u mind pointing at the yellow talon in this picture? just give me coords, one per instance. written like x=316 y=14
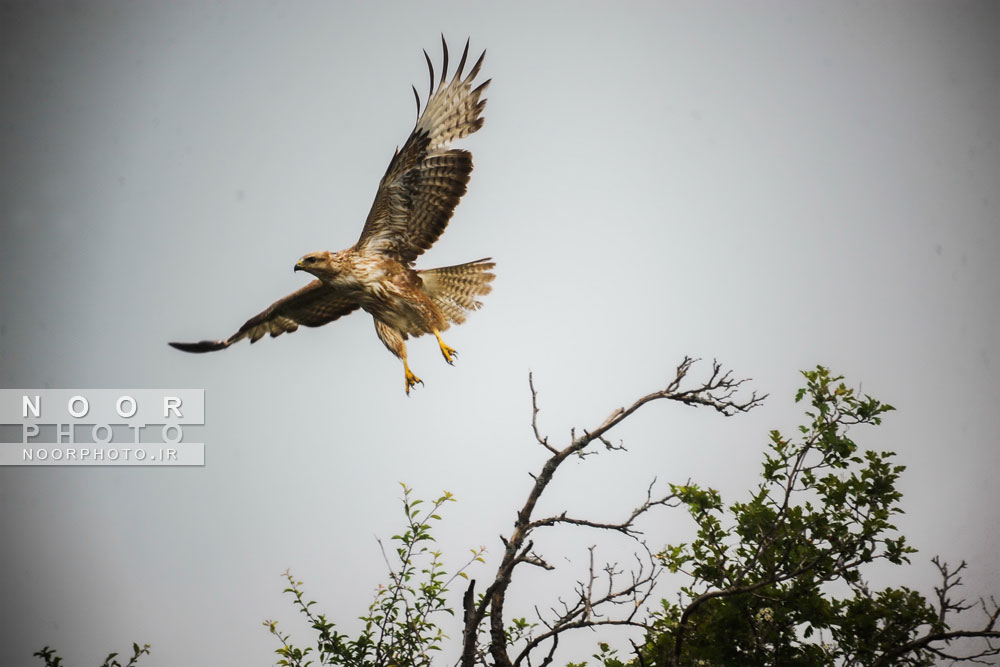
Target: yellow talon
x=411 y=379
x=448 y=352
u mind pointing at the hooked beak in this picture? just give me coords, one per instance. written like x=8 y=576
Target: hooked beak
x=298 y=266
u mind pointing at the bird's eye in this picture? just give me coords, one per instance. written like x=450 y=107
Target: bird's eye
x=309 y=260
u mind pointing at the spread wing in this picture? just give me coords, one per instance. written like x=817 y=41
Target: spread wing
x=425 y=179
x=312 y=306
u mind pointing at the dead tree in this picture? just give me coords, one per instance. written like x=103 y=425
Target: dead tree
x=606 y=589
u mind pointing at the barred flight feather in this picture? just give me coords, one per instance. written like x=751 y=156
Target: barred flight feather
x=425 y=179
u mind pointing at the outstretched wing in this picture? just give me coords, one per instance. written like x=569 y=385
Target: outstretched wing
x=314 y=305
x=425 y=180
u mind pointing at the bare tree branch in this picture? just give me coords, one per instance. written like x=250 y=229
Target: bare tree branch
x=543 y=441
x=950 y=580
x=584 y=612
x=719 y=392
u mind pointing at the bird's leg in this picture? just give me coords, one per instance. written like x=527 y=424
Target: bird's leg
x=393 y=339
x=448 y=352
x=411 y=379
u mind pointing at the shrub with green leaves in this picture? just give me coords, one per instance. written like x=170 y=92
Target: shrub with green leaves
x=400 y=627
x=51 y=659
x=765 y=573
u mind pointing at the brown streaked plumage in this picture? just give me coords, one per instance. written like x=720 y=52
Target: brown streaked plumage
x=415 y=200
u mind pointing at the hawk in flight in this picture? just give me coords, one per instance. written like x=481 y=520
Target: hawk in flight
x=415 y=200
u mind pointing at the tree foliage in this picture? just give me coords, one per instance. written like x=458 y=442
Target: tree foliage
x=763 y=573
x=774 y=579
x=52 y=659
x=400 y=627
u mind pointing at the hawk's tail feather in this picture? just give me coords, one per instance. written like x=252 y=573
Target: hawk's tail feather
x=454 y=289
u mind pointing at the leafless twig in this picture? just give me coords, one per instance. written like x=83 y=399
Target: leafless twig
x=720 y=392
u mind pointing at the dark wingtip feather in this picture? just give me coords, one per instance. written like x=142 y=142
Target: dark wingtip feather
x=201 y=346
x=481 y=87
x=416 y=95
x=444 y=67
x=430 y=66
x=461 y=63
x=475 y=68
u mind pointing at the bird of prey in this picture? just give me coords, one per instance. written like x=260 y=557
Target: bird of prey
x=414 y=202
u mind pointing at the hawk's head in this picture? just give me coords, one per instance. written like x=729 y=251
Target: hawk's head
x=317 y=263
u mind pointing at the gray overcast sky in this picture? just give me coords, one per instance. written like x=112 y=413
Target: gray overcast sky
x=774 y=184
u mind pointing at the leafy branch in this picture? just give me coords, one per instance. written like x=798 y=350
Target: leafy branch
x=400 y=626
x=51 y=659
